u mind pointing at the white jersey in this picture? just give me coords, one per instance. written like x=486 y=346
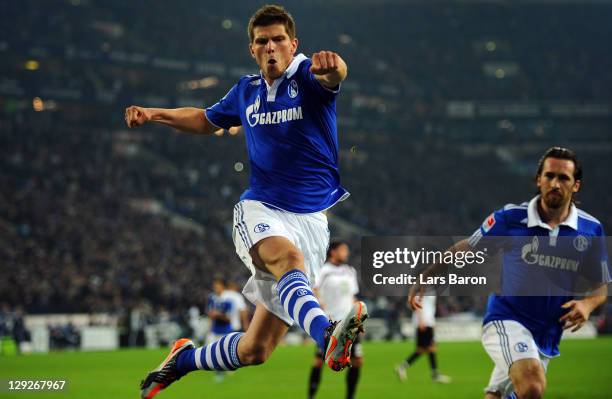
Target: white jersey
x=427 y=315
x=337 y=286
x=238 y=305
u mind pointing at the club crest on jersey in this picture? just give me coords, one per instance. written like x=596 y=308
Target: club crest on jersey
x=521 y=347
x=581 y=243
x=261 y=227
x=302 y=292
x=292 y=89
x=489 y=223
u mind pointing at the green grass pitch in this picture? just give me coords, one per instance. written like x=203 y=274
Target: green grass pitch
x=583 y=371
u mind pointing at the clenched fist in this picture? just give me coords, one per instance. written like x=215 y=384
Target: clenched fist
x=324 y=62
x=136 y=116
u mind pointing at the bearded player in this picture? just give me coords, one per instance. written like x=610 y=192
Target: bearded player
x=546 y=236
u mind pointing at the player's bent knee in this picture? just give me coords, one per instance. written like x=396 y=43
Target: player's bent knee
x=530 y=390
x=528 y=378
x=357 y=362
x=318 y=362
x=255 y=353
x=286 y=260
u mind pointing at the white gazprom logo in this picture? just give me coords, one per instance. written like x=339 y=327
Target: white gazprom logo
x=529 y=254
x=254 y=117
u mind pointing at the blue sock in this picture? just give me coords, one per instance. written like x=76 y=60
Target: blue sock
x=512 y=396
x=302 y=306
x=220 y=355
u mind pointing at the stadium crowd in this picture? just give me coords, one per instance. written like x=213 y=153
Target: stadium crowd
x=95 y=218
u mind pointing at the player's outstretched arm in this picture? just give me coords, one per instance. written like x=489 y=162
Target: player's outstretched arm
x=580 y=310
x=329 y=68
x=192 y=120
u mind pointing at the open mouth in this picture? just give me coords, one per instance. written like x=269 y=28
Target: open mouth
x=271 y=62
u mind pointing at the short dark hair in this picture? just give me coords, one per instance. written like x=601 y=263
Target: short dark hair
x=333 y=245
x=270 y=15
x=561 y=153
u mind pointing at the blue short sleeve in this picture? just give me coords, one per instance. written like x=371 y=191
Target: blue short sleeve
x=226 y=113
x=314 y=84
x=495 y=225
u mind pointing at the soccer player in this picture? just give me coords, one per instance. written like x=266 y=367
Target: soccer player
x=424 y=320
x=288 y=113
x=238 y=315
x=522 y=333
x=336 y=290
x=219 y=311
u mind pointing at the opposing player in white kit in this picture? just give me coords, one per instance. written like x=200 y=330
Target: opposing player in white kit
x=424 y=321
x=336 y=289
x=288 y=113
x=239 y=314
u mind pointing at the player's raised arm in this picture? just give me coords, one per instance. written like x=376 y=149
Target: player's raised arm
x=329 y=68
x=192 y=120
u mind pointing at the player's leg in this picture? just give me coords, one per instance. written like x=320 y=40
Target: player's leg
x=528 y=378
x=281 y=258
x=265 y=332
x=289 y=249
x=252 y=347
x=352 y=376
x=499 y=383
x=315 y=373
x=421 y=346
x=519 y=372
x=433 y=361
x=230 y=352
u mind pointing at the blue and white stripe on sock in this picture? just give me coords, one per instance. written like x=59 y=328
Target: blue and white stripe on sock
x=221 y=355
x=302 y=306
x=512 y=396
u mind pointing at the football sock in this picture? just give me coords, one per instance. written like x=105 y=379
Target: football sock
x=221 y=355
x=351 y=381
x=302 y=306
x=315 y=379
x=512 y=396
x=433 y=363
x=411 y=359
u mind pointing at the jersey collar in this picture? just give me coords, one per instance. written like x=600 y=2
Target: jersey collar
x=534 y=219
x=289 y=72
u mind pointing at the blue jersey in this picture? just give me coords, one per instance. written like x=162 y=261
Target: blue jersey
x=291 y=137
x=576 y=248
x=221 y=305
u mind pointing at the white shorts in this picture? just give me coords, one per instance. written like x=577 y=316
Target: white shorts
x=507 y=341
x=254 y=221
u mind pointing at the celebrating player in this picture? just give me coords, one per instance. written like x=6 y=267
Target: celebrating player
x=288 y=113
x=522 y=333
x=336 y=289
x=424 y=320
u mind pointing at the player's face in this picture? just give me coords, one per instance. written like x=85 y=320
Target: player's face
x=557 y=183
x=273 y=50
x=218 y=287
x=342 y=253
